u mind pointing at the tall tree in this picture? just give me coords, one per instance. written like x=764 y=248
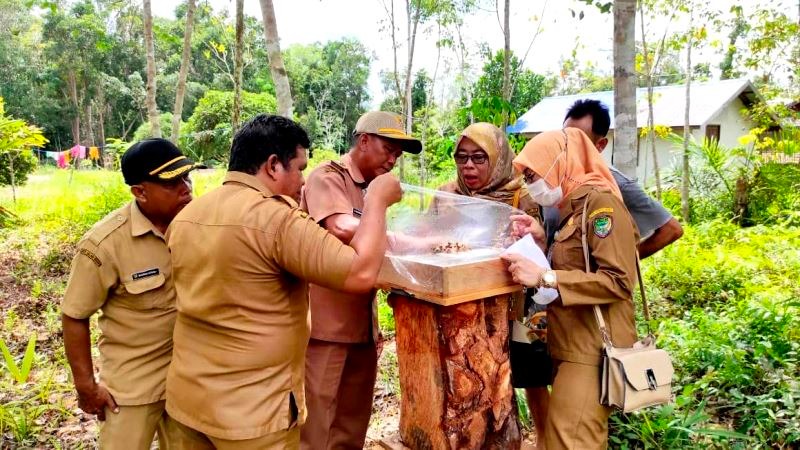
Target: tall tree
x=651 y=59
x=625 y=129
x=177 y=111
x=283 y=92
x=152 y=110
x=238 y=65
x=687 y=126
x=506 y=59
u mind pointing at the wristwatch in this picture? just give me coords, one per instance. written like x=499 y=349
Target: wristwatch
x=548 y=279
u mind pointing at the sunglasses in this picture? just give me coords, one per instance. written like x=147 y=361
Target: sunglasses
x=477 y=158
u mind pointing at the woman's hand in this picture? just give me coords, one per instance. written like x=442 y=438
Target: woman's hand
x=522 y=224
x=523 y=270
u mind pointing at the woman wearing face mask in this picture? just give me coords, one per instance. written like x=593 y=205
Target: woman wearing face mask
x=563 y=169
x=483 y=159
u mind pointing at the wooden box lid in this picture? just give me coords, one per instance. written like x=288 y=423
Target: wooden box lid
x=448 y=279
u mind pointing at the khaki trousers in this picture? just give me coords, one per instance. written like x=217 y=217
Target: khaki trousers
x=340 y=382
x=134 y=427
x=576 y=420
x=186 y=438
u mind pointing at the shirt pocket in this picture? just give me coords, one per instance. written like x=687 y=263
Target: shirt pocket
x=568 y=249
x=146 y=293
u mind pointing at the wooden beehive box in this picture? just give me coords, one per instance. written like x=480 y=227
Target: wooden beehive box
x=448 y=279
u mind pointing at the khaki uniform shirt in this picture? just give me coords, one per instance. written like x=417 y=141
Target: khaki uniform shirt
x=339 y=188
x=573 y=333
x=123 y=269
x=242 y=257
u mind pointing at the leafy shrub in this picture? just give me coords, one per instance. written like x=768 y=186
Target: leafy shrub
x=775 y=194
x=728 y=311
x=208 y=135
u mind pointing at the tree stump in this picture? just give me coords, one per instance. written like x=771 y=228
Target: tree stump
x=455 y=374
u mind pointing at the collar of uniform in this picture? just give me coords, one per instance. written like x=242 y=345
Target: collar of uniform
x=577 y=194
x=140 y=224
x=352 y=169
x=247 y=180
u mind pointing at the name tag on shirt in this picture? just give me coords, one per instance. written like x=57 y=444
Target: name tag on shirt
x=145 y=273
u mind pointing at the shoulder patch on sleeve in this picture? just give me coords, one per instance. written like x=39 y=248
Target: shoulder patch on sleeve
x=105 y=227
x=88 y=253
x=602 y=225
x=606 y=210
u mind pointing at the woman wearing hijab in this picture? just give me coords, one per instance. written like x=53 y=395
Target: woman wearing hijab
x=484 y=161
x=563 y=169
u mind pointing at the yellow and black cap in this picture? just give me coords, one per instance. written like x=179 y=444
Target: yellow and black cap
x=387 y=125
x=156 y=160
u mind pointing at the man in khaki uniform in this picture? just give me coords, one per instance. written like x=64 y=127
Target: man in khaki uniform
x=122 y=267
x=341 y=362
x=242 y=257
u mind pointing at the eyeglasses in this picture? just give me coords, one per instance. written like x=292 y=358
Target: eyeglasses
x=477 y=158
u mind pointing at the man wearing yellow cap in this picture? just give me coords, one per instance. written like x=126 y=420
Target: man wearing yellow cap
x=341 y=361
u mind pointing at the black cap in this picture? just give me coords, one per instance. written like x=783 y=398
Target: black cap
x=153 y=160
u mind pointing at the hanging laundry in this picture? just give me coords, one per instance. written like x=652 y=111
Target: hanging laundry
x=68 y=157
x=51 y=155
x=78 y=152
x=94 y=153
x=61 y=160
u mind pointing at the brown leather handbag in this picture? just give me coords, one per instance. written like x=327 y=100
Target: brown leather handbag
x=637 y=377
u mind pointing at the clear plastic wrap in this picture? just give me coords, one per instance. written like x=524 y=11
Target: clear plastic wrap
x=446 y=245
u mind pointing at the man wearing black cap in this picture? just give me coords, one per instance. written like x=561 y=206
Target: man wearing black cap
x=342 y=356
x=122 y=267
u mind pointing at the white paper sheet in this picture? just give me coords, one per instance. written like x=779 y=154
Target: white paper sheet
x=527 y=248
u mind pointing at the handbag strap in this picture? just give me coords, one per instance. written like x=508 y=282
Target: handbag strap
x=598 y=314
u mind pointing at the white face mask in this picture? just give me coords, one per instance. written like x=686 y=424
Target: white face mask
x=544 y=194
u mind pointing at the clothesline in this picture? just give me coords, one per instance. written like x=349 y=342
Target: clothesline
x=77 y=152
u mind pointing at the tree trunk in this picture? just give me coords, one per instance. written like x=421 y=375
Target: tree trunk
x=651 y=134
x=152 y=109
x=101 y=116
x=72 y=85
x=180 y=91
x=276 y=67
x=238 y=66
x=413 y=21
x=625 y=129
x=506 y=61
x=455 y=374
x=687 y=130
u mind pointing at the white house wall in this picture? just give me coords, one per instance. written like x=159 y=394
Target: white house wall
x=732 y=126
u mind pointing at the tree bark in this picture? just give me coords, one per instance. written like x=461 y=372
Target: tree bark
x=180 y=91
x=276 y=67
x=625 y=129
x=413 y=21
x=238 y=65
x=455 y=375
x=72 y=86
x=506 y=60
x=687 y=129
x=651 y=134
x=152 y=109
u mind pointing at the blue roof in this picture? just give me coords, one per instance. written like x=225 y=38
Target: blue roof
x=707 y=99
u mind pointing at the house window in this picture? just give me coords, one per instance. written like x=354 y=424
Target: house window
x=712 y=132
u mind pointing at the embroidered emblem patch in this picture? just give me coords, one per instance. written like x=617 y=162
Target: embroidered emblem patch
x=91 y=256
x=601 y=211
x=602 y=226
x=145 y=273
